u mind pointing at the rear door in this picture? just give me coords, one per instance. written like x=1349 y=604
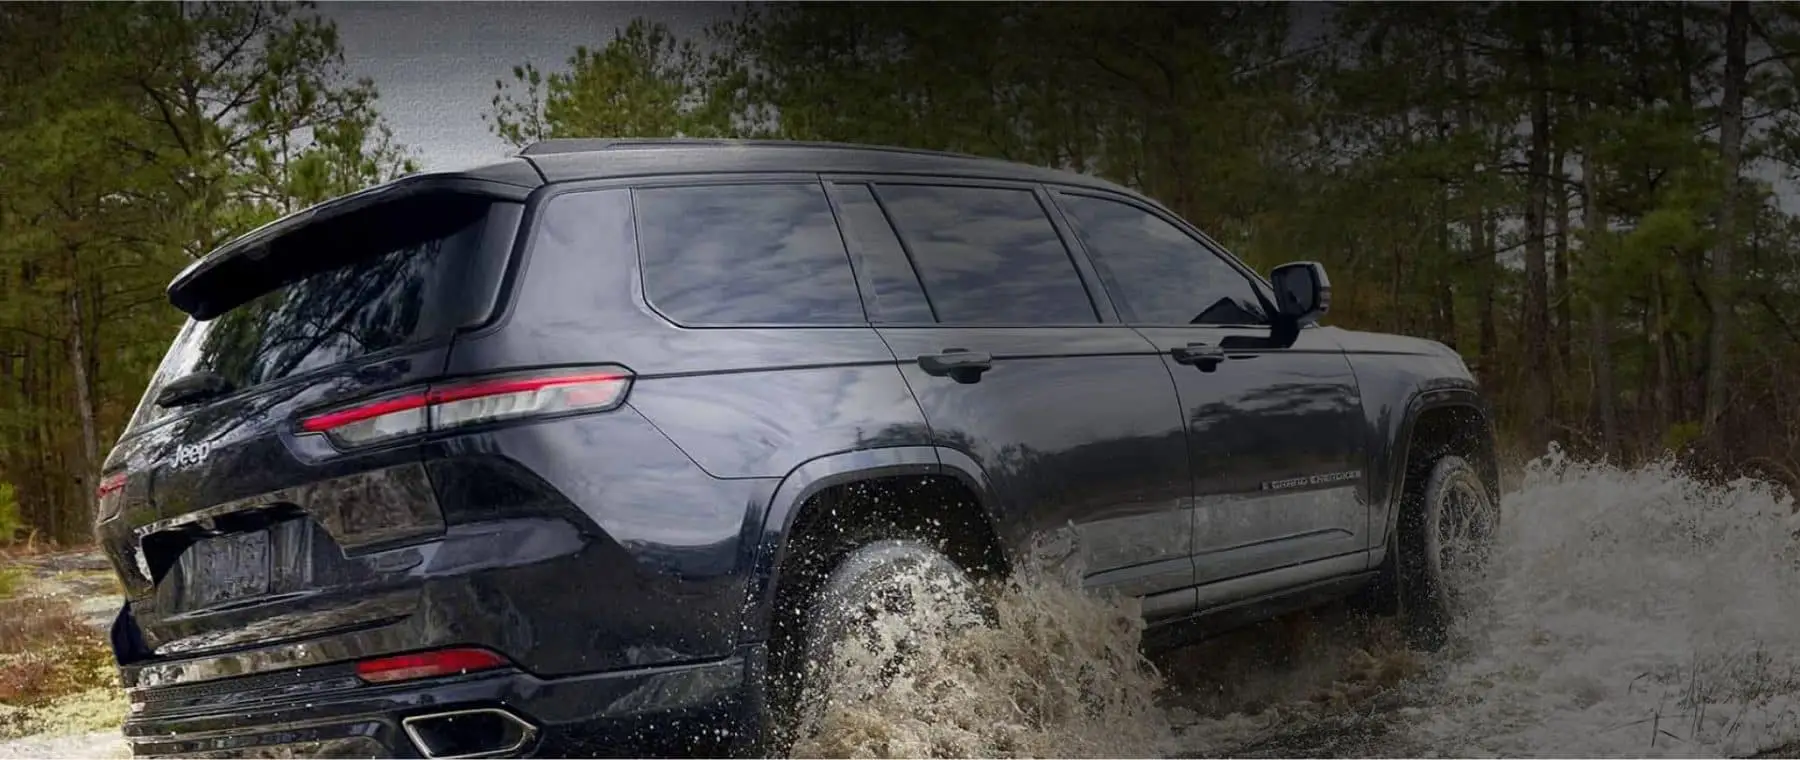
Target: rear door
x=1072 y=416
x=1274 y=434
x=255 y=534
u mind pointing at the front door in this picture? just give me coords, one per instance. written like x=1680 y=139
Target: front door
x=1274 y=434
x=1073 y=418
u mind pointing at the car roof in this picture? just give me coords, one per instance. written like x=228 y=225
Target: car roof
x=578 y=159
x=575 y=159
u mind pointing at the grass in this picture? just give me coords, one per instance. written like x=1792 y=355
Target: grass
x=56 y=672
x=11 y=578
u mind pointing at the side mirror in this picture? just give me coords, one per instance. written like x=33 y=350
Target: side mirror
x=1302 y=292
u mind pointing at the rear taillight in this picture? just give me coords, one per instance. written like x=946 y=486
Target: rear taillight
x=110 y=495
x=473 y=403
x=444 y=662
x=372 y=422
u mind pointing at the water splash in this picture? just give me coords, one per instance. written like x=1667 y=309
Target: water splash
x=1633 y=612
x=1625 y=613
x=1057 y=673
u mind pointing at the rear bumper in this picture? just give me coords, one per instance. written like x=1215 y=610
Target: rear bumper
x=708 y=709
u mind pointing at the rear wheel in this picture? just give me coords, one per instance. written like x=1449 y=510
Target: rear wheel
x=867 y=620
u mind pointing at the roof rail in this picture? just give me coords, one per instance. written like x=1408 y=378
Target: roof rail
x=592 y=144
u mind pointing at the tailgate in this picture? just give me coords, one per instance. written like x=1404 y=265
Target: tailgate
x=240 y=529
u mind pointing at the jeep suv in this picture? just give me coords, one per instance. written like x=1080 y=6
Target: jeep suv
x=556 y=456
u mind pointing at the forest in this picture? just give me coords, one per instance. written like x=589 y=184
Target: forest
x=1591 y=202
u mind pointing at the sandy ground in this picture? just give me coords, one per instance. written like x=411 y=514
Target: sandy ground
x=85 y=579
x=98 y=744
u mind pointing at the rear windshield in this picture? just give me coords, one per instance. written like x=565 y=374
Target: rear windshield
x=419 y=290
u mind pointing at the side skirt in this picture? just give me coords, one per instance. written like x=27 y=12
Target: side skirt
x=1225 y=618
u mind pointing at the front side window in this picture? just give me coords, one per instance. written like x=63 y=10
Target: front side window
x=1157 y=273
x=988 y=256
x=745 y=255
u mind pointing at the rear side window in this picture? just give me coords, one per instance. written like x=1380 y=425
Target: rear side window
x=893 y=289
x=423 y=288
x=988 y=256
x=745 y=255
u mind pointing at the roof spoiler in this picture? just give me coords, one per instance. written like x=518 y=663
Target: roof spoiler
x=251 y=265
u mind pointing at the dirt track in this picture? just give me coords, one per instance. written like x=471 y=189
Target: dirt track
x=85 y=578
x=84 y=581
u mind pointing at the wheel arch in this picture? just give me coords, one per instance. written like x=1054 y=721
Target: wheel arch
x=1437 y=420
x=805 y=484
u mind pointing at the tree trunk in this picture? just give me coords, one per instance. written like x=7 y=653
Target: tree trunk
x=1667 y=398
x=1593 y=224
x=1443 y=307
x=1443 y=301
x=1731 y=117
x=1481 y=249
x=1490 y=332
x=1565 y=329
x=89 y=462
x=1541 y=398
x=49 y=447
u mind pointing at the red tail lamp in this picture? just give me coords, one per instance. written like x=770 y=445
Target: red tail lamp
x=443 y=662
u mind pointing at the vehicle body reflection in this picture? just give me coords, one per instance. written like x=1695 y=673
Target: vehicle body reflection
x=572 y=413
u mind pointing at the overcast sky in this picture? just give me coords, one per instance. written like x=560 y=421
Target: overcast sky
x=435 y=63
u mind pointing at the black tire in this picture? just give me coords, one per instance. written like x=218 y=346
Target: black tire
x=1444 y=545
x=884 y=576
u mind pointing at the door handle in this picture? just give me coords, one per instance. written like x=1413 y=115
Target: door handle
x=1201 y=355
x=961 y=365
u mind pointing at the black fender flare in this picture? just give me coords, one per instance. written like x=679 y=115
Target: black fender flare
x=1421 y=401
x=823 y=472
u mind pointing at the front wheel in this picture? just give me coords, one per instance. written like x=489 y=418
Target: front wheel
x=1445 y=546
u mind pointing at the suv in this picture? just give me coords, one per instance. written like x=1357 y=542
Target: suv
x=555 y=456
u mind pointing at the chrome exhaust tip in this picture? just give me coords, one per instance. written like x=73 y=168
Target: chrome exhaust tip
x=468 y=733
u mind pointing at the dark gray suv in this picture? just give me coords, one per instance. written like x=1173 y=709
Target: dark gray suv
x=555 y=456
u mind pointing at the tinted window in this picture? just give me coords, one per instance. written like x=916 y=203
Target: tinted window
x=893 y=288
x=1157 y=273
x=988 y=256
x=745 y=254
x=415 y=292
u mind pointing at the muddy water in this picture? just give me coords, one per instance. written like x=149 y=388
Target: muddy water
x=1058 y=673
x=1627 y=613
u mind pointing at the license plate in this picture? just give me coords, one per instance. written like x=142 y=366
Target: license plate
x=227 y=569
